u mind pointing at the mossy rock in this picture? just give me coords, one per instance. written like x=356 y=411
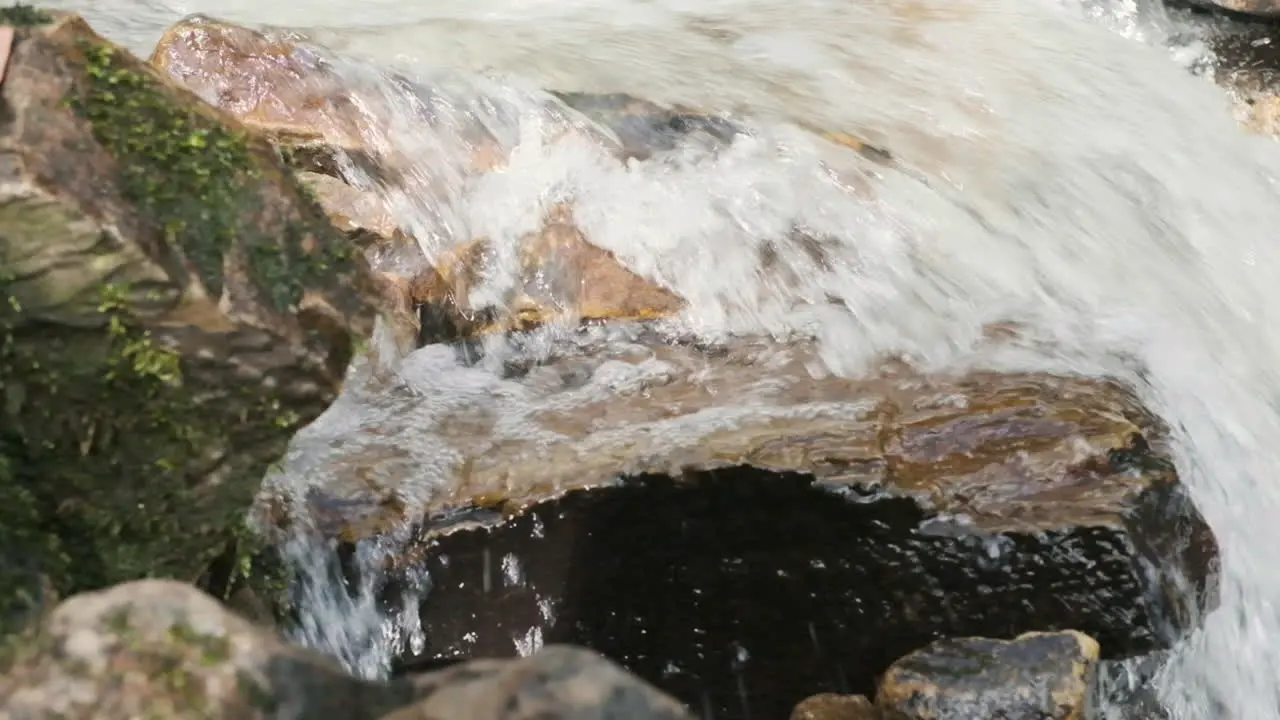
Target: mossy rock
x=161 y=649
x=173 y=306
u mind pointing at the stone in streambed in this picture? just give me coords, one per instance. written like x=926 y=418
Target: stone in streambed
x=830 y=706
x=556 y=682
x=1036 y=676
x=173 y=306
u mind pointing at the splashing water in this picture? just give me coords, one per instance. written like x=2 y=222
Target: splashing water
x=1050 y=173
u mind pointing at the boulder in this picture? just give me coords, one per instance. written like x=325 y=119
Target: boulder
x=158 y=648
x=1036 y=676
x=830 y=706
x=173 y=307
x=743 y=531
x=558 y=276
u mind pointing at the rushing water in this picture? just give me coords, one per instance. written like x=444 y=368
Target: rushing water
x=1057 y=173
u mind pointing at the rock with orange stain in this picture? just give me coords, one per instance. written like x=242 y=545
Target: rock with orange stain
x=558 y=275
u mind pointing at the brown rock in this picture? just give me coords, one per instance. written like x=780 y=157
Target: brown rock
x=279 y=87
x=830 y=706
x=288 y=91
x=561 y=276
x=173 y=307
x=352 y=209
x=1036 y=676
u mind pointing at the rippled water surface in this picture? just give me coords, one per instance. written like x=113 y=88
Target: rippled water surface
x=1058 y=167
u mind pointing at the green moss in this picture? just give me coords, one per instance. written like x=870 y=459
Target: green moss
x=211 y=650
x=20 y=15
x=97 y=467
x=199 y=180
x=117 y=459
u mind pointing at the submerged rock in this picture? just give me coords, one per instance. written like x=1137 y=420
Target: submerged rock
x=1036 y=676
x=173 y=307
x=744 y=532
x=163 y=649
x=830 y=706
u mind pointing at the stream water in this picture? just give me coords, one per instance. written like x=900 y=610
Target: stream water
x=1062 y=169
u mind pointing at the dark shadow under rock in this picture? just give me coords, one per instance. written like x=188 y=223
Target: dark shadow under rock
x=742 y=591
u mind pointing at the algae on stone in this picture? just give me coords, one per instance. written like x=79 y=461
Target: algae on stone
x=173 y=308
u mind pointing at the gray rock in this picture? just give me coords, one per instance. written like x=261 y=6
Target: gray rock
x=162 y=649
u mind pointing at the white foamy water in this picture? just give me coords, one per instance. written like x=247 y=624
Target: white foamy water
x=1055 y=172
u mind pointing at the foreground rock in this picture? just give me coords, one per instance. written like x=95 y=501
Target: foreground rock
x=163 y=649
x=173 y=307
x=1037 y=676
x=775 y=534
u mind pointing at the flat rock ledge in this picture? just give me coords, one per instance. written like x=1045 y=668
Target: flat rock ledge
x=744 y=534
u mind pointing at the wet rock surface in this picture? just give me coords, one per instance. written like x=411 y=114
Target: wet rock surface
x=561 y=277
x=163 y=649
x=723 y=519
x=830 y=706
x=1260 y=8
x=281 y=88
x=1036 y=676
x=776 y=533
x=173 y=307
